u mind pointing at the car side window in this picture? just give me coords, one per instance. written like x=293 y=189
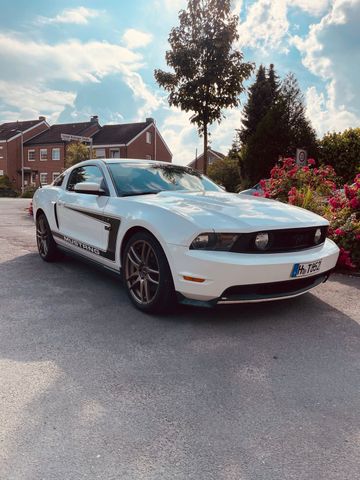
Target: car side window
x=59 y=180
x=87 y=173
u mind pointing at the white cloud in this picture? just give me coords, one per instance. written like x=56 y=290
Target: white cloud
x=136 y=38
x=325 y=115
x=179 y=135
x=69 y=61
x=29 y=101
x=265 y=25
x=330 y=51
x=78 y=16
x=313 y=7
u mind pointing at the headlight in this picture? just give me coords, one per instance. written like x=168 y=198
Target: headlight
x=214 y=241
x=317 y=236
x=262 y=241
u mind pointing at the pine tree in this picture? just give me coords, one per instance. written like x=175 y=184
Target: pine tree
x=279 y=131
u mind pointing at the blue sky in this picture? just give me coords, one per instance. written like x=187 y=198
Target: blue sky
x=68 y=60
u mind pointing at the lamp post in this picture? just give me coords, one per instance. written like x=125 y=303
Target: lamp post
x=22 y=160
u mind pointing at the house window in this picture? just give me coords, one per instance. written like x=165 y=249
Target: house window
x=31 y=155
x=148 y=157
x=114 y=153
x=43 y=178
x=33 y=178
x=148 y=137
x=43 y=154
x=55 y=154
x=55 y=175
x=100 y=152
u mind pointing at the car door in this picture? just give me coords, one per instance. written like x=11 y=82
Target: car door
x=81 y=221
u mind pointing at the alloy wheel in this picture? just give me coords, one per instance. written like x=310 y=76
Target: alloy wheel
x=42 y=236
x=142 y=272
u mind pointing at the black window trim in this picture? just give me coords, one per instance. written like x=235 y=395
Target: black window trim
x=107 y=191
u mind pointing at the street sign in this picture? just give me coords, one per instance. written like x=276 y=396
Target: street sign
x=301 y=157
x=66 y=137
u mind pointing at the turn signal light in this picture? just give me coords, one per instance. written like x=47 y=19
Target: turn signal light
x=193 y=279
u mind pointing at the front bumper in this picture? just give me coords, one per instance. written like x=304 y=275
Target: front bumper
x=229 y=276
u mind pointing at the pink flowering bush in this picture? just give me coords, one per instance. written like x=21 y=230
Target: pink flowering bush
x=315 y=189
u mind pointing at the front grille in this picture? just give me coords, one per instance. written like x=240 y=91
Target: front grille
x=286 y=240
x=272 y=290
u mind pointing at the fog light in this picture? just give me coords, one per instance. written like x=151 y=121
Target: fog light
x=262 y=241
x=317 y=235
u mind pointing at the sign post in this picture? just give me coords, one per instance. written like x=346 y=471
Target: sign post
x=301 y=157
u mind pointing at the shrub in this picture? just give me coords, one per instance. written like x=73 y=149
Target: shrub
x=315 y=189
x=225 y=172
x=29 y=192
x=342 y=151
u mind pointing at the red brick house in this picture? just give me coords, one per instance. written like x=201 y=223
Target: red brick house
x=131 y=140
x=198 y=162
x=44 y=148
x=12 y=136
x=44 y=155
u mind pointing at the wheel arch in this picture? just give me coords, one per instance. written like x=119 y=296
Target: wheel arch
x=130 y=232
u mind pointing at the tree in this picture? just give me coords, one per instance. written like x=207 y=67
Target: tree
x=262 y=96
x=342 y=151
x=226 y=172
x=76 y=152
x=208 y=72
x=297 y=129
x=275 y=125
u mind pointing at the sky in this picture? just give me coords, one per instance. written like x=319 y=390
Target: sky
x=68 y=60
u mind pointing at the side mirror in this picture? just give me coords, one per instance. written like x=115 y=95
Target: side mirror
x=90 y=188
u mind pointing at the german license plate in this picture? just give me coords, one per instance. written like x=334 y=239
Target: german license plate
x=304 y=269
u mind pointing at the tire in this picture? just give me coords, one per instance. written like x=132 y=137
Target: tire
x=146 y=274
x=47 y=248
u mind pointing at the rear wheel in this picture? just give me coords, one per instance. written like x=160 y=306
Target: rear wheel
x=147 y=276
x=47 y=248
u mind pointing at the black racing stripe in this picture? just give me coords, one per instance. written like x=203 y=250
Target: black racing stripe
x=113 y=233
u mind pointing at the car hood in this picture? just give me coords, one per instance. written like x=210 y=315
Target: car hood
x=221 y=211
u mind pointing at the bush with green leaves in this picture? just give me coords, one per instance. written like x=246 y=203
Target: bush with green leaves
x=225 y=172
x=342 y=152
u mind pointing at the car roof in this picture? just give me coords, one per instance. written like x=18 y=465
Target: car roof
x=128 y=161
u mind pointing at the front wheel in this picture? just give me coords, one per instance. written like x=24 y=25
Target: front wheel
x=47 y=248
x=147 y=276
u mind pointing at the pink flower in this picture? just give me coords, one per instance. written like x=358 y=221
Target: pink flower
x=354 y=203
x=345 y=258
x=311 y=161
x=339 y=232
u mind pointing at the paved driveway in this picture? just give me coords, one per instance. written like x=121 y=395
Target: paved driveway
x=92 y=389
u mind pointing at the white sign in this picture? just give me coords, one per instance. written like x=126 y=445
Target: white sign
x=301 y=157
x=1 y=173
x=65 y=137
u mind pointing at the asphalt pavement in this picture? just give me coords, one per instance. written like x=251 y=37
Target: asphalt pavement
x=90 y=388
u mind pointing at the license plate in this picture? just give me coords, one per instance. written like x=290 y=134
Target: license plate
x=304 y=269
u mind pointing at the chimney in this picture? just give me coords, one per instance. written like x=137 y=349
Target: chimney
x=150 y=120
x=43 y=119
x=94 y=119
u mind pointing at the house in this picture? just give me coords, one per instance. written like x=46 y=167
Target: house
x=198 y=162
x=41 y=148
x=12 y=137
x=44 y=155
x=131 y=140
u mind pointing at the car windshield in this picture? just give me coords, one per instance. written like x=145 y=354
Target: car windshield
x=147 y=178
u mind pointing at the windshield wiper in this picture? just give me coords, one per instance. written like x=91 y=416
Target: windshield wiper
x=133 y=194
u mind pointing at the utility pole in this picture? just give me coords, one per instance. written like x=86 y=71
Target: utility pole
x=22 y=160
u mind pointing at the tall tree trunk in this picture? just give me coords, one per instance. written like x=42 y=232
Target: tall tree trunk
x=205 y=148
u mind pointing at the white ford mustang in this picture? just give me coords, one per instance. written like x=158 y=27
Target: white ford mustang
x=175 y=235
